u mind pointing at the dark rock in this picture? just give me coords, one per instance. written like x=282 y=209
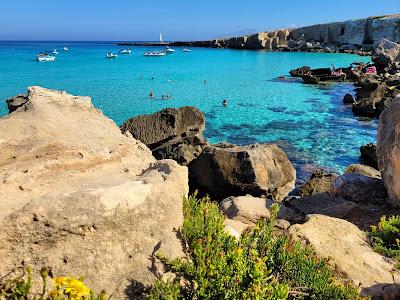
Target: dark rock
x=320 y=182
x=16 y=102
x=181 y=149
x=161 y=127
x=349 y=99
x=360 y=189
x=300 y=71
x=171 y=133
x=368 y=155
x=323 y=204
x=234 y=171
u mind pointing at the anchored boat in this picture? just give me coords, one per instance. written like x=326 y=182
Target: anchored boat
x=111 y=55
x=125 y=51
x=154 y=53
x=186 y=50
x=45 y=57
x=55 y=52
x=169 y=50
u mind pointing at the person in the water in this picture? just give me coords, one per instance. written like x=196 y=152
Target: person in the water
x=225 y=102
x=152 y=95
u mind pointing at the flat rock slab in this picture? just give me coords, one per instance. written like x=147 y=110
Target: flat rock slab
x=346 y=246
x=323 y=204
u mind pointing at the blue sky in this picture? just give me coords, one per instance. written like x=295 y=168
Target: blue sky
x=177 y=19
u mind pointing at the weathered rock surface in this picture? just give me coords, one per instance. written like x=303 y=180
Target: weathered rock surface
x=360 y=189
x=347 y=249
x=363 y=170
x=234 y=171
x=368 y=155
x=173 y=133
x=248 y=209
x=323 y=204
x=388 y=151
x=78 y=196
x=16 y=102
x=320 y=182
x=387 y=53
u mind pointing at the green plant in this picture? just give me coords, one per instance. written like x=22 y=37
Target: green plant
x=18 y=287
x=385 y=237
x=260 y=265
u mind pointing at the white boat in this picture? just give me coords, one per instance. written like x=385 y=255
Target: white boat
x=154 y=53
x=45 y=57
x=161 y=39
x=65 y=49
x=186 y=50
x=125 y=51
x=111 y=55
x=55 y=52
x=168 y=50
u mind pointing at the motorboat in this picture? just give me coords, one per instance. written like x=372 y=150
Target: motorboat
x=169 y=50
x=55 y=52
x=125 y=51
x=65 y=49
x=154 y=53
x=186 y=50
x=111 y=55
x=45 y=57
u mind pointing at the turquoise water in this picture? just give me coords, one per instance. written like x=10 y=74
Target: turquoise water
x=311 y=123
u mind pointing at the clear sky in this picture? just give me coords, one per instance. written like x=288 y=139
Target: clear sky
x=176 y=19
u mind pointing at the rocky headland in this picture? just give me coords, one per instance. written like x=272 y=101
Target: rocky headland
x=354 y=36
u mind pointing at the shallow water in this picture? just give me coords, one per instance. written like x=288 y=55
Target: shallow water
x=310 y=122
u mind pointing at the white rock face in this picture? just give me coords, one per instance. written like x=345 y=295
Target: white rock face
x=346 y=247
x=78 y=196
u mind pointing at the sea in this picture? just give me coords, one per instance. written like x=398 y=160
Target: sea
x=310 y=122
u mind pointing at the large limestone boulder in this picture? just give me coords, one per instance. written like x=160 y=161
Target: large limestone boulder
x=347 y=248
x=173 y=133
x=388 y=150
x=224 y=171
x=80 y=197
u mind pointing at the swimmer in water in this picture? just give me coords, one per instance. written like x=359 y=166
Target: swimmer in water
x=152 y=95
x=225 y=102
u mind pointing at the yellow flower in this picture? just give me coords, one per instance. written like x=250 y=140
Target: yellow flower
x=74 y=288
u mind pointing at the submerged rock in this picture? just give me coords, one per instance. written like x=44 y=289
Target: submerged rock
x=347 y=248
x=388 y=151
x=78 y=196
x=233 y=171
x=348 y=99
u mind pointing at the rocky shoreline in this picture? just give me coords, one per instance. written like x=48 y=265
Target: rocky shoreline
x=74 y=184
x=354 y=36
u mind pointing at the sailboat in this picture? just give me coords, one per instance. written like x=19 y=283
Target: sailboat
x=161 y=39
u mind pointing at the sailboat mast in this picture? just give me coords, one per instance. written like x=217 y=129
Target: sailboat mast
x=161 y=40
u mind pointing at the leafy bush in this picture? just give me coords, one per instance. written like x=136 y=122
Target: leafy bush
x=385 y=237
x=65 y=288
x=260 y=265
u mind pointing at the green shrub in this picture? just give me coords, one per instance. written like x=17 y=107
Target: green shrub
x=260 y=265
x=385 y=237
